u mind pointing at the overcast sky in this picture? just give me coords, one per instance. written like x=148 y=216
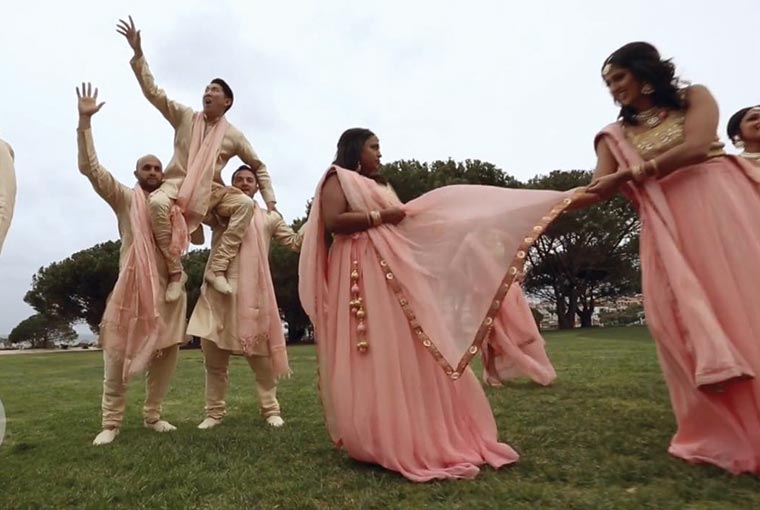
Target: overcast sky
x=513 y=83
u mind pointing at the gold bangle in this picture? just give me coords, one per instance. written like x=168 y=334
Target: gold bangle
x=369 y=220
x=642 y=174
x=637 y=174
x=655 y=168
x=377 y=218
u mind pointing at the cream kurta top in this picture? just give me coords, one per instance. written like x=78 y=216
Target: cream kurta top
x=215 y=315
x=119 y=197
x=7 y=190
x=181 y=118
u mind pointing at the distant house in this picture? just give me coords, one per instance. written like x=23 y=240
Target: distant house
x=549 y=319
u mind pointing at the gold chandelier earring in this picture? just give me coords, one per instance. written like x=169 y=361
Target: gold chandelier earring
x=647 y=89
x=738 y=142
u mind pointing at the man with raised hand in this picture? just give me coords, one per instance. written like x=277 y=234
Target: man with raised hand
x=139 y=330
x=203 y=143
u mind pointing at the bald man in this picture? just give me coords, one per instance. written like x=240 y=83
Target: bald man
x=163 y=359
x=7 y=190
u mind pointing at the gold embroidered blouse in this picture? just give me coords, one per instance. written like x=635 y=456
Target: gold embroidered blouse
x=663 y=137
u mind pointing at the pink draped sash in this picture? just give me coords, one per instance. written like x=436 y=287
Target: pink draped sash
x=258 y=316
x=131 y=325
x=450 y=262
x=713 y=360
x=194 y=194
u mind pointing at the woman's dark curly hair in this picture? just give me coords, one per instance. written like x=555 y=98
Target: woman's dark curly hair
x=645 y=63
x=350 y=146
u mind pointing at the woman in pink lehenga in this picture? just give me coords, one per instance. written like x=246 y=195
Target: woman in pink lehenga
x=401 y=301
x=700 y=236
x=515 y=348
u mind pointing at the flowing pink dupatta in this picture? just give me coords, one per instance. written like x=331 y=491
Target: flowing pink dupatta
x=258 y=316
x=194 y=194
x=713 y=359
x=450 y=262
x=131 y=321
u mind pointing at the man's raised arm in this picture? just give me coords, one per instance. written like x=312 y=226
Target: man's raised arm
x=171 y=110
x=105 y=184
x=250 y=158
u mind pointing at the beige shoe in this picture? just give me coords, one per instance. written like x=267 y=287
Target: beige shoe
x=175 y=289
x=105 y=436
x=219 y=282
x=209 y=423
x=275 y=421
x=493 y=382
x=160 y=426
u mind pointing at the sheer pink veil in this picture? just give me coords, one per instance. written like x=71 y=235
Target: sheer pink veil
x=132 y=326
x=450 y=262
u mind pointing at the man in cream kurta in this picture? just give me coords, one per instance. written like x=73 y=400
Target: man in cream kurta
x=215 y=320
x=225 y=201
x=119 y=197
x=7 y=190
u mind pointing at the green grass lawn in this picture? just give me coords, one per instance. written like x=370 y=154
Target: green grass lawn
x=595 y=440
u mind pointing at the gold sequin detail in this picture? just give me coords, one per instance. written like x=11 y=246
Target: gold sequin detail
x=487 y=325
x=668 y=134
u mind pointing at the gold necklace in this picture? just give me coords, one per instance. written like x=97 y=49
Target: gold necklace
x=750 y=155
x=651 y=118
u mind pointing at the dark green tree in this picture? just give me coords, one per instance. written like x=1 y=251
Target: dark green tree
x=194 y=264
x=283 y=264
x=410 y=178
x=584 y=255
x=42 y=332
x=75 y=289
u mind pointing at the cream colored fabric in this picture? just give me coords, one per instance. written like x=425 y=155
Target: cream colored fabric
x=234 y=144
x=157 y=381
x=227 y=202
x=7 y=189
x=119 y=197
x=217 y=363
x=215 y=315
x=181 y=119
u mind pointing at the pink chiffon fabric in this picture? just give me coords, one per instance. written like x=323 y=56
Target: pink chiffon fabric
x=410 y=403
x=515 y=348
x=258 y=315
x=700 y=241
x=192 y=202
x=131 y=317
